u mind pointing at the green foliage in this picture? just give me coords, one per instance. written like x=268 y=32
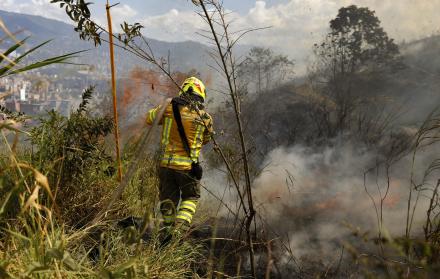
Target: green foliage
x=77 y=140
x=356 y=40
x=350 y=65
x=130 y=31
x=79 y=12
x=120 y=259
x=17 y=116
x=11 y=66
x=86 y=96
x=264 y=69
x=72 y=151
x=391 y=261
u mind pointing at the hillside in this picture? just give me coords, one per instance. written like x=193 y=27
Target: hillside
x=183 y=55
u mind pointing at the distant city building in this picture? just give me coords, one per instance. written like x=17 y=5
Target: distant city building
x=32 y=98
x=23 y=93
x=12 y=104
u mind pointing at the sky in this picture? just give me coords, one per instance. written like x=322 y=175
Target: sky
x=295 y=25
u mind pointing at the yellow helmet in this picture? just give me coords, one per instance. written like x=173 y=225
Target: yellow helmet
x=196 y=85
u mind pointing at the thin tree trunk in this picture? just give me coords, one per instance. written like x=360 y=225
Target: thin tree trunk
x=251 y=214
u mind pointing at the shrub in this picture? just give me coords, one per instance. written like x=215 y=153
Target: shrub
x=71 y=151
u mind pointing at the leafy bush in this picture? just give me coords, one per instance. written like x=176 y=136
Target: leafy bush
x=72 y=152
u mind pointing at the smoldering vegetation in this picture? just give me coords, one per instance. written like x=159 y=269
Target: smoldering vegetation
x=318 y=200
x=322 y=207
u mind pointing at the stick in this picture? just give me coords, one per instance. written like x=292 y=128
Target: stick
x=115 y=112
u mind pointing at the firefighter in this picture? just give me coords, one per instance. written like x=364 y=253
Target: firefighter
x=186 y=127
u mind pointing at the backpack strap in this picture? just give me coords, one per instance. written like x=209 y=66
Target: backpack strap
x=178 y=118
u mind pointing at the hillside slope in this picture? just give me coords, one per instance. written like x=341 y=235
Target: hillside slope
x=183 y=55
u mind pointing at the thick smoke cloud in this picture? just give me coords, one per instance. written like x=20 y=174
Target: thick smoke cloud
x=309 y=195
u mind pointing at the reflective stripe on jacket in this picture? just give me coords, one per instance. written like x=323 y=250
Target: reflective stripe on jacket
x=197 y=131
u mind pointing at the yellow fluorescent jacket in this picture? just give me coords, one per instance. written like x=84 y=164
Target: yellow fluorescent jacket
x=197 y=131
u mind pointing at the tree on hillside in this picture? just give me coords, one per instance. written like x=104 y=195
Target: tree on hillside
x=355 y=50
x=262 y=69
x=357 y=41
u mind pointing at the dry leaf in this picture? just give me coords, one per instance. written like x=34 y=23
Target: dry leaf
x=32 y=200
x=43 y=181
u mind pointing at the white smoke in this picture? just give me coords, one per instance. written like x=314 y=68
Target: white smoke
x=307 y=196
